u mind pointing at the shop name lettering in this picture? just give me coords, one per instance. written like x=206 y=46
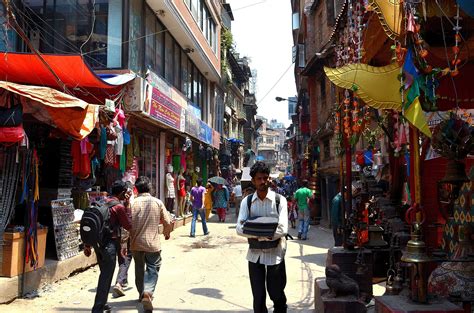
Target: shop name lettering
x=163 y=109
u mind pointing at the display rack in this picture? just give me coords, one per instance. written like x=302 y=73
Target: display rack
x=66 y=233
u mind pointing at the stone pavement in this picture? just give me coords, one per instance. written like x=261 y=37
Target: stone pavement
x=202 y=274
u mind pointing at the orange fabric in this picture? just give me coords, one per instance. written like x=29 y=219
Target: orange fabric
x=71 y=115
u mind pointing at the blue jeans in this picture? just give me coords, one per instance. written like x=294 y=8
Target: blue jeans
x=303 y=225
x=145 y=281
x=202 y=214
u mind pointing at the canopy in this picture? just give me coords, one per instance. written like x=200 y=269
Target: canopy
x=72 y=70
x=71 y=115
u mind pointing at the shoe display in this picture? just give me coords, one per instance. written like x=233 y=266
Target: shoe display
x=118 y=291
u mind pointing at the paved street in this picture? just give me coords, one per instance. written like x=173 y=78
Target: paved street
x=202 y=274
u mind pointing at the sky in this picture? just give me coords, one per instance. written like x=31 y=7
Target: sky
x=262 y=31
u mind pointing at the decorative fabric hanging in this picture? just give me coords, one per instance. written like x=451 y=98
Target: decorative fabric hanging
x=377 y=86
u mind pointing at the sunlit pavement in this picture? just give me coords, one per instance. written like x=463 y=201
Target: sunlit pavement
x=202 y=274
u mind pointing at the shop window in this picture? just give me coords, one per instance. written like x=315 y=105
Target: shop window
x=148 y=161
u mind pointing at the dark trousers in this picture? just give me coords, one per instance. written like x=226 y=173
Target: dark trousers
x=106 y=258
x=124 y=264
x=274 y=277
x=169 y=204
x=337 y=237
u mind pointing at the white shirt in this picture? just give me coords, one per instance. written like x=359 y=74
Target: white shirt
x=238 y=191
x=267 y=207
x=170 y=193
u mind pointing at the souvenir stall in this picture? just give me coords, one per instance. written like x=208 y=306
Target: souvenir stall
x=409 y=198
x=36 y=172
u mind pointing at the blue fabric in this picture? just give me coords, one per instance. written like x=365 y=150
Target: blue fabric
x=303 y=225
x=220 y=198
x=202 y=214
x=103 y=142
x=467 y=6
x=145 y=280
x=126 y=137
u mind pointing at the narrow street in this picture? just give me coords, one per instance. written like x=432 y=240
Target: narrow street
x=202 y=274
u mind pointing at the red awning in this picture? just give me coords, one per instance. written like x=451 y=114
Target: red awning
x=27 y=68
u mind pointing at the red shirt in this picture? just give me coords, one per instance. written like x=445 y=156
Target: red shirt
x=120 y=216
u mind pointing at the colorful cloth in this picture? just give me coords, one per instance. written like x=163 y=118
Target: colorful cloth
x=220 y=197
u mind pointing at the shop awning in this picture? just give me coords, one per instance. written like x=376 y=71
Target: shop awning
x=72 y=70
x=71 y=115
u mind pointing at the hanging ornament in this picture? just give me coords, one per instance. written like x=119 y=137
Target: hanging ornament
x=457 y=39
x=347 y=115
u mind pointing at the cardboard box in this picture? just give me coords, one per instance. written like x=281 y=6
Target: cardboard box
x=14 y=253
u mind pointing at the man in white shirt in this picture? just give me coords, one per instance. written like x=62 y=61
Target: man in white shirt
x=266 y=266
x=237 y=197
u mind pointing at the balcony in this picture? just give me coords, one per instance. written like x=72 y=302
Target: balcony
x=242 y=117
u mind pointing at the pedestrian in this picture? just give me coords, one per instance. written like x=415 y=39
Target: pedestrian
x=110 y=245
x=147 y=212
x=124 y=260
x=266 y=266
x=208 y=200
x=336 y=219
x=292 y=214
x=238 y=197
x=302 y=197
x=197 y=198
x=220 y=201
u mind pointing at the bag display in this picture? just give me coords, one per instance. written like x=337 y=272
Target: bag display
x=95 y=223
x=12 y=134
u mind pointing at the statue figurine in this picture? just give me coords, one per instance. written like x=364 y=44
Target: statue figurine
x=340 y=284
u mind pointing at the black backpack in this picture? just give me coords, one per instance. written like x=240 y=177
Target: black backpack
x=95 y=223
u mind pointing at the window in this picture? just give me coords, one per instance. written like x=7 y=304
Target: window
x=150 y=21
x=168 y=57
x=296 y=21
x=64 y=27
x=195 y=96
x=189 y=92
x=270 y=141
x=184 y=73
x=204 y=21
x=177 y=64
x=159 y=48
x=301 y=56
x=327 y=149
x=135 y=50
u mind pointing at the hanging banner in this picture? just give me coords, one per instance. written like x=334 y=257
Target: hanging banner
x=165 y=110
x=216 y=139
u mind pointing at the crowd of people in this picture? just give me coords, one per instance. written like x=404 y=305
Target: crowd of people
x=135 y=218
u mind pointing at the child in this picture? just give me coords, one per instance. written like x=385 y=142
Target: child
x=292 y=213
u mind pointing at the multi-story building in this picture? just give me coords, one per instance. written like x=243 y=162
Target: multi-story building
x=270 y=144
x=172 y=46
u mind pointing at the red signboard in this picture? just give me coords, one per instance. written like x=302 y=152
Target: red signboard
x=165 y=110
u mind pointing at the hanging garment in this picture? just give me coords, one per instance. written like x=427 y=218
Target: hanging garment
x=103 y=142
x=119 y=140
x=81 y=155
x=109 y=155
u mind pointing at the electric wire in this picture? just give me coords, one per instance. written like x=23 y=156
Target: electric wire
x=275 y=84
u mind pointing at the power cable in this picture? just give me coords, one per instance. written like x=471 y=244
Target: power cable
x=275 y=84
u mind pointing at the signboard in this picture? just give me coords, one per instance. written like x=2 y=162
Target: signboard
x=216 y=139
x=205 y=133
x=164 y=109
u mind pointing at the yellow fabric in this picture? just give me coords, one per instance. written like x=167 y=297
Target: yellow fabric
x=390 y=16
x=208 y=198
x=414 y=114
x=377 y=86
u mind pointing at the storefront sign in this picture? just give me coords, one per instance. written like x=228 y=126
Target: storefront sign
x=216 y=139
x=157 y=82
x=165 y=110
x=192 y=126
x=196 y=127
x=205 y=133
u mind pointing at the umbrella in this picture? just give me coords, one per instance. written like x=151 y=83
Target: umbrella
x=289 y=177
x=217 y=180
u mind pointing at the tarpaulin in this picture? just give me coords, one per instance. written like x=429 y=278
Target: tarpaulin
x=71 y=115
x=72 y=70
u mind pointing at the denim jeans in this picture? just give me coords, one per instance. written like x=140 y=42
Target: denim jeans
x=124 y=264
x=303 y=225
x=202 y=214
x=145 y=280
x=106 y=258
